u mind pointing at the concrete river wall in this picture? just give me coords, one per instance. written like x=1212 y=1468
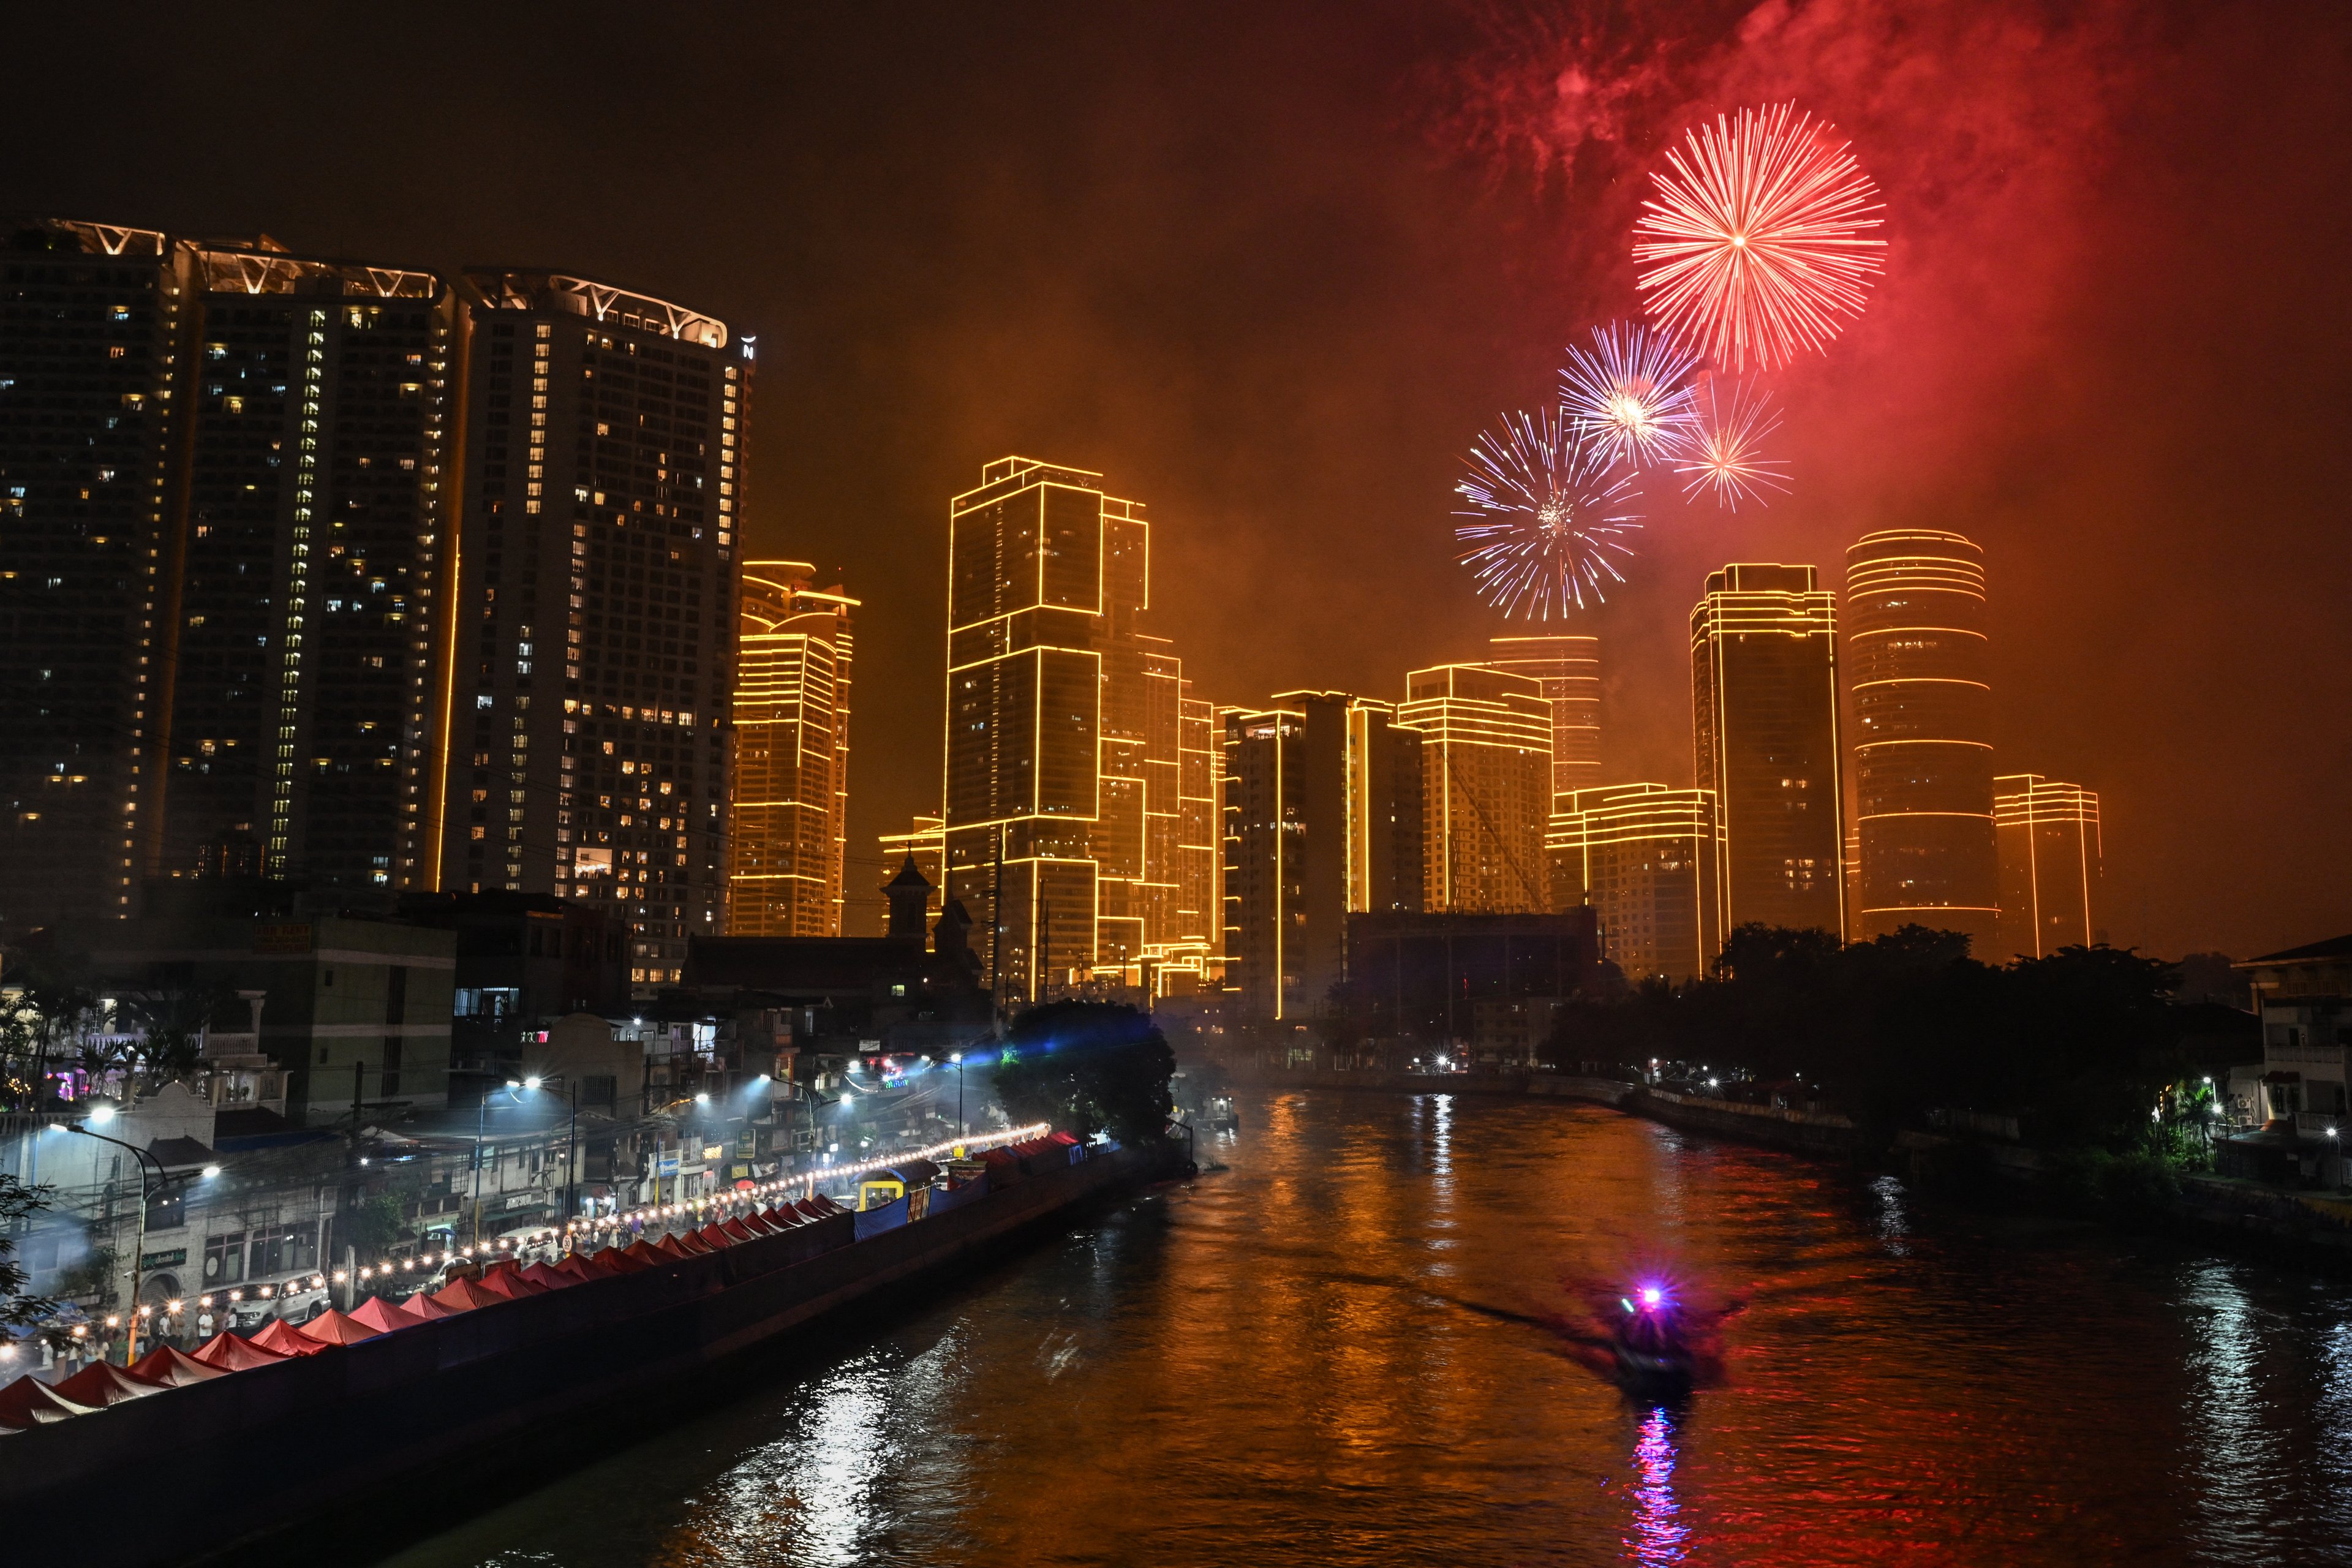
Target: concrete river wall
x=191 y=1471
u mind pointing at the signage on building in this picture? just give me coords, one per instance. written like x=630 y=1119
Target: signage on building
x=173 y=1257
x=282 y=936
x=713 y=1151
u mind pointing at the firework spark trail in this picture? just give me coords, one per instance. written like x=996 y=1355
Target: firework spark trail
x=1631 y=392
x=1754 y=239
x=1549 y=520
x=1725 y=454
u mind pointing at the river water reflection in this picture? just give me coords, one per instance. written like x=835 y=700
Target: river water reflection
x=1338 y=1351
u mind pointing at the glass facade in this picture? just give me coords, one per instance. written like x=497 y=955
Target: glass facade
x=1487 y=776
x=785 y=840
x=2052 y=863
x=1648 y=858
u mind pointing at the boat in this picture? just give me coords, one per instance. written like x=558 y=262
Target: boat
x=1647 y=1341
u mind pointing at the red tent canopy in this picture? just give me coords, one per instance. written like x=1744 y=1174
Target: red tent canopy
x=380 y=1315
x=283 y=1337
x=29 y=1402
x=233 y=1353
x=715 y=1236
x=425 y=1309
x=575 y=1268
x=102 y=1383
x=334 y=1327
x=786 y=1218
x=508 y=1283
x=1063 y=1139
x=645 y=1253
x=170 y=1368
x=736 y=1230
x=549 y=1277
x=755 y=1223
x=615 y=1260
x=464 y=1296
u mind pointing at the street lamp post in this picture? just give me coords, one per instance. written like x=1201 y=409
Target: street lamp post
x=958 y=1060
x=481 y=1114
x=102 y=1114
x=571 y=1138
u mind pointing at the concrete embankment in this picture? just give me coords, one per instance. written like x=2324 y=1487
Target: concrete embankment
x=206 y=1467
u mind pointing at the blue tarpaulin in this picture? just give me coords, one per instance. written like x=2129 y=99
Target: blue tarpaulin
x=889 y=1216
x=945 y=1198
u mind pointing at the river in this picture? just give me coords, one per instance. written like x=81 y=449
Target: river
x=1358 y=1344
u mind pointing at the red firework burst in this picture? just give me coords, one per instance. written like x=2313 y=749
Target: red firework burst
x=1753 y=246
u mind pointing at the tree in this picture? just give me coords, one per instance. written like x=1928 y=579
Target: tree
x=1087 y=1068
x=18 y=1202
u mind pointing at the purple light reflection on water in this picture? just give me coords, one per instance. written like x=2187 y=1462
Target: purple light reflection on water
x=1658 y=1536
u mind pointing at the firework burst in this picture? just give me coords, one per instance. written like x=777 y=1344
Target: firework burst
x=1725 y=454
x=1753 y=246
x=1548 y=519
x=1631 y=392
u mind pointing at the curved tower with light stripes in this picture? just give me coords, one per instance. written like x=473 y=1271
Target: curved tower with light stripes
x=1916 y=651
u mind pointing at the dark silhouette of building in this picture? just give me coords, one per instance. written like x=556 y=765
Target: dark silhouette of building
x=1764 y=698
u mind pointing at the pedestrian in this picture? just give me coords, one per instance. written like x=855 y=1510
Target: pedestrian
x=204 y=1324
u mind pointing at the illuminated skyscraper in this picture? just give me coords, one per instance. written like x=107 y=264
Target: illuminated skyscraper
x=1195 y=947
x=1062 y=715
x=1923 y=754
x=786 y=839
x=1286 y=852
x=605 y=474
x=1387 y=816
x=1648 y=858
x=2050 y=866
x=94 y=336
x=1569 y=670
x=1486 y=775
x=1764 y=700
x=309 y=710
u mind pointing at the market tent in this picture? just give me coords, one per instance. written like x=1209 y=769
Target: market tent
x=509 y=1283
x=687 y=1242
x=786 y=1218
x=102 y=1383
x=1065 y=1138
x=549 y=1277
x=29 y=1402
x=648 y=1253
x=283 y=1337
x=168 y=1367
x=616 y=1260
x=918 y=1173
x=716 y=1236
x=465 y=1296
x=734 y=1230
x=234 y=1353
x=334 y=1327
x=425 y=1309
x=754 y=1225
x=384 y=1317
x=576 y=1269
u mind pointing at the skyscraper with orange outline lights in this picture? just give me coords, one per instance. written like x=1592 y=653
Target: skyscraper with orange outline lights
x=785 y=837
x=1486 y=776
x=1568 y=667
x=2051 y=862
x=1765 y=705
x=1916 y=654
x=1064 y=732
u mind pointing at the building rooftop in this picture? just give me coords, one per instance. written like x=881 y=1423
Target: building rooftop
x=2333 y=947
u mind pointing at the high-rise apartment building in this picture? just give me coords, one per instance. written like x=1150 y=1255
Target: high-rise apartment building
x=1568 y=668
x=1286 y=852
x=1487 y=776
x=1765 y=703
x=1648 y=859
x=1915 y=656
x=2050 y=866
x=787 y=834
x=311 y=700
x=1192 y=957
x=605 y=474
x=94 y=341
x=1063 y=805
x=1387 y=816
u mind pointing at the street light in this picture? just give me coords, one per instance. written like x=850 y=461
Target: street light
x=958 y=1060
x=104 y=1113
x=481 y=1113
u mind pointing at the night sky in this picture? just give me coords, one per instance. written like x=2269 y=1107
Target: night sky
x=1270 y=268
